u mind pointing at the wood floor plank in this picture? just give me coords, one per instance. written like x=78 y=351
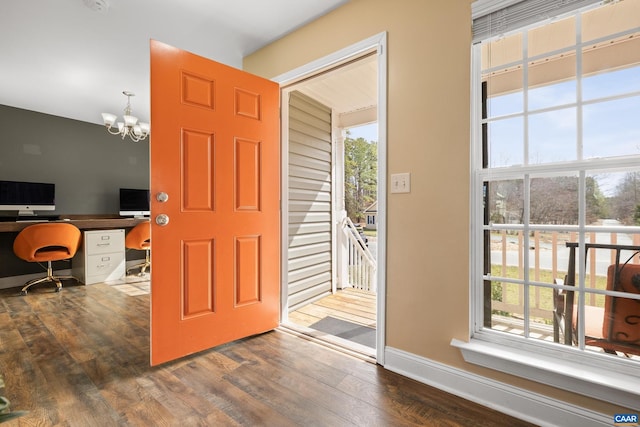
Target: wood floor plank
x=302 y=319
x=286 y=348
x=321 y=312
x=295 y=381
x=233 y=401
x=352 y=305
x=81 y=358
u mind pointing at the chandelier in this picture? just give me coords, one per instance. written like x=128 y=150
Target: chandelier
x=130 y=127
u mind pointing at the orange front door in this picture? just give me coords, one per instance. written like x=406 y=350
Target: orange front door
x=215 y=153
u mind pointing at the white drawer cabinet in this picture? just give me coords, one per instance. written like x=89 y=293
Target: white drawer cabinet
x=101 y=256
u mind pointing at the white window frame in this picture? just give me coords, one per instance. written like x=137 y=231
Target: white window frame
x=600 y=376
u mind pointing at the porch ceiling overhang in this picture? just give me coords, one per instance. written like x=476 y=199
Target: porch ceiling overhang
x=351 y=91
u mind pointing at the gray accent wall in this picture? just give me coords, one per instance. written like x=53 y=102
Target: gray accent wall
x=87 y=165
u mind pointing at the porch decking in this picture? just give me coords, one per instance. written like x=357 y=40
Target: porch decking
x=359 y=307
x=348 y=304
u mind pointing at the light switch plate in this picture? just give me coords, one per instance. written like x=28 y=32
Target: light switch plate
x=401 y=182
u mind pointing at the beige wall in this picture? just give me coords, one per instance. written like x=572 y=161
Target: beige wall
x=428 y=135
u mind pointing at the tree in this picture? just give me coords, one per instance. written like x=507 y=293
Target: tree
x=636 y=215
x=627 y=197
x=597 y=203
x=553 y=200
x=361 y=176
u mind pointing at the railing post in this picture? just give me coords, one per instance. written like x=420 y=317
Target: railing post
x=361 y=265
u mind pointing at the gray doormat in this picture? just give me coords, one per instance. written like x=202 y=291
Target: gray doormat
x=347 y=330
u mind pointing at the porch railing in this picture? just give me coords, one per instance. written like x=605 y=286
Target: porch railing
x=361 y=265
x=548 y=254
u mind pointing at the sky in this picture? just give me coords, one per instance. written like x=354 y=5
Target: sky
x=609 y=129
x=368 y=132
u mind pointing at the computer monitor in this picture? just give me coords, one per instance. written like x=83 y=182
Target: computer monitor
x=27 y=197
x=134 y=202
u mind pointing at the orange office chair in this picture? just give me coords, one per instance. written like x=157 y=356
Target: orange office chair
x=140 y=238
x=47 y=242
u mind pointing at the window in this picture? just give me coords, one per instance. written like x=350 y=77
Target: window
x=556 y=169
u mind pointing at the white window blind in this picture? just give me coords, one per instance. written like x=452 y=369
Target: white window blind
x=494 y=17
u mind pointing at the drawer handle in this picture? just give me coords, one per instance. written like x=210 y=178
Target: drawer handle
x=103 y=244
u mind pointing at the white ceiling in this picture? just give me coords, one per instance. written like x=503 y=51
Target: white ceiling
x=61 y=57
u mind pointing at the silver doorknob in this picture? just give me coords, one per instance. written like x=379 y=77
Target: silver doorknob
x=162 y=197
x=162 y=219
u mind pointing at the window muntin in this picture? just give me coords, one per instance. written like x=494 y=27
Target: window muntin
x=562 y=159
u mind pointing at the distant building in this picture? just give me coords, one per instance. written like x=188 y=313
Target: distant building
x=371 y=216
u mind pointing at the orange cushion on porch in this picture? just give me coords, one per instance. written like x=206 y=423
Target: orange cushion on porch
x=593 y=318
x=622 y=319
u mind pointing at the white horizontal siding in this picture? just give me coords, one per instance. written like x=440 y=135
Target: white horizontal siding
x=300 y=251
x=299 y=217
x=309 y=252
x=309 y=206
x=320 y=196
x=309 y=239
x=309 y=261
x=302 y=102
x=314 y=282
x=303 y=139
x=314 y=153
x=313 y=128
x=301 y=172
x=309 y=162
x=309 y=184
x=300 y=299
x=310 y=271
x=309 y=228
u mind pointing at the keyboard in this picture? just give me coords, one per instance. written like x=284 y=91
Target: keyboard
x=37 y=218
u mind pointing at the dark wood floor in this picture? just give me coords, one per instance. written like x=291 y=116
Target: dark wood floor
x=81 y=358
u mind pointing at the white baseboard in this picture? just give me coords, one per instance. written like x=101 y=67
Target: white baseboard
x=519 y=403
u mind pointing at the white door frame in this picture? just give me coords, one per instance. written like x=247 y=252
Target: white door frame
x=377 y=42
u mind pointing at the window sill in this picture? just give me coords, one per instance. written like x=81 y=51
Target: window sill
x=556 y=368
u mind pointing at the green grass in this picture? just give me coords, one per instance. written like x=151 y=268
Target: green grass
x=544 y=296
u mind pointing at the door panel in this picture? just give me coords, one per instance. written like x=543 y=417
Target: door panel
x=215 y=152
